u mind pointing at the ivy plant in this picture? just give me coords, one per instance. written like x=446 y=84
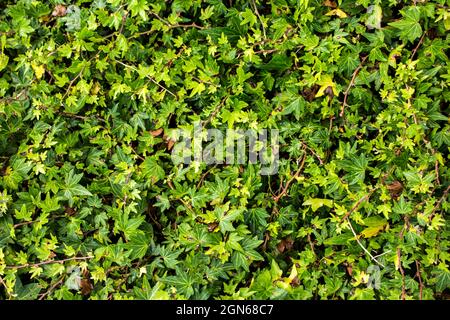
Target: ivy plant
x=93 y=207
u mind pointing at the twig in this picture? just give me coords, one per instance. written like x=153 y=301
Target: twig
x=215 y=112
x=439 y=202
x=399 y=257
x=48 y=262
x=311 y=244
x=358 y=203
x=141 y=33
x=436 y=170
x=72 y=82
x=6 y=288
x=260 y=19
x=7 y=33
x=76 y=116
x=352 y=82
x=191 y=25
x=24 y=223
x=124 y=19
x=78 y=75
x=153 y=219
x=418 y=45
x=361 y=245
x=53 y=287
x=127 y=179
x=313 y=152
x=149 y=77
x=20 y=224
x=286 y=186
x=187 y=205
x=399 y=261
x=382 y=254
x=420 y=280
x=171 y=26
x=436 y=165
x=16 y=98
x=204 y=176
x=266 y=51
x=266 y=239
x=331 y=124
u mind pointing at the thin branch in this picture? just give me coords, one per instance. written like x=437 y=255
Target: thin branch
x=16 y=98
x=76 y=116
x=358 y=203
x=150 y=214
x=190 y=25
x=159 y=18
x=48 y=262
x=361 y=245
x=186 y=204
x=72 y=82
x=313 y=152
x=171 y=26
x=215 y=112
x=382 y=254
x=260 y=19
x=24 y=223
x=20 y=224
x=440 y=201
x=149 y=77
x=352 y=82
x=286 y=186
x=266 y=51
x=127 y=180
x=122 y=25
x=311 y=244
x=436 y=171
x=7 y=33
x=420 y=280
x=50 y=290
x=399 y=257
x=204 y=176
x=418 y=45
x=6 y=288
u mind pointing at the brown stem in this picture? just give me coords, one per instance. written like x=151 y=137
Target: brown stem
x=149 y=77
x=420 y=280
x=418 y=45
x=439 y=202
x=286 y=186
x=313 y=152
x=260 y=19
x=358 y=203
x=399 y=256
x=122 y=25
x=186 y=204
x=6 y=288
x=215 y=112
x=191 y=25
x=53 y=287
x=204 y=176
x=76 y=116
x=48 y=262
x=24 y=223
x=311 y=244
x=352 y=82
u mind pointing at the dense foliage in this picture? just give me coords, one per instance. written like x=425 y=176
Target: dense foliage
x=91 y=205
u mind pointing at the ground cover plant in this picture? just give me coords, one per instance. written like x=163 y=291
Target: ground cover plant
x=93 y=207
